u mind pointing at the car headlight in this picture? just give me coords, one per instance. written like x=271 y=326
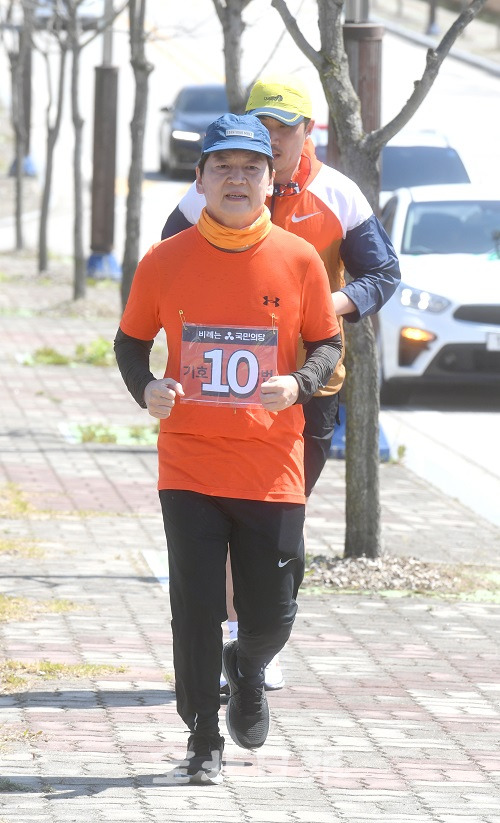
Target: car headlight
x=189 y=136
x=422 y=300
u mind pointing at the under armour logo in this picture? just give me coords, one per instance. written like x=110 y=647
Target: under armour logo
x=229 y=336
x=275 y=300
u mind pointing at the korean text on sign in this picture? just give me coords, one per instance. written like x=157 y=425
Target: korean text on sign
x=225 y=365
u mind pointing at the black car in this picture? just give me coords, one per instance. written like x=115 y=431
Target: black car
x=184 y=125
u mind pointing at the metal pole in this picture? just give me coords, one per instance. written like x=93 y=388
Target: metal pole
x=356 y=11
x=107 y=37
x=103 y=180
x=102 y=263
x=363 y=45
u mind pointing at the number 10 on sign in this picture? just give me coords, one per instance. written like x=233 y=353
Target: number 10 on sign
x=225 y=365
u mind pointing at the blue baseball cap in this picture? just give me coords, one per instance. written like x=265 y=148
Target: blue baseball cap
x=237 y=131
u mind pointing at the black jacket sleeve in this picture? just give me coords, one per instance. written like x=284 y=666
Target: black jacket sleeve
x=371 y=261
x=132 y=356
x=321 y=359
x=176 y=223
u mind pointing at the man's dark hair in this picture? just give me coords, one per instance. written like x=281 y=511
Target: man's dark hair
x=204 y=157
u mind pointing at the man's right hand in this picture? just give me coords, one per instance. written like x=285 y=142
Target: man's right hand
x=160 y=395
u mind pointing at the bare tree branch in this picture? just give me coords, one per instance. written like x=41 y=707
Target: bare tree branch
x=332 y=66
x=291 y=23
x=230 y=14
x=277 y=44
x=53 y=129
x=104 y=24
x=377 y=139
x=221 y=7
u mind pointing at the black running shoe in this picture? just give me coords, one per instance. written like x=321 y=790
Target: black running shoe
x=203 y=761
x=247 y=713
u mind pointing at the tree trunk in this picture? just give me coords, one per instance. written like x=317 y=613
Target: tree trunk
x=18 y=125
x=230 y=15
x=362 y=512
x=52 y=136
x=362 y=442
x=20 y=155
x=358 y=153
x=142 y=69
x=362 y=508
x=79 y=274
x=233 y=29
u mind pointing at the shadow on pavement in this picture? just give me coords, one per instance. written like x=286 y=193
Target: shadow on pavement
x=79 y=699
x=451 y=399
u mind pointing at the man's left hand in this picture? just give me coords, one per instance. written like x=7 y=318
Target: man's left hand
x=279 y=392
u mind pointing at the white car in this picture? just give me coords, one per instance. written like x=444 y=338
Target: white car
x=443 y=323
x=421 y=157
x=418 y=158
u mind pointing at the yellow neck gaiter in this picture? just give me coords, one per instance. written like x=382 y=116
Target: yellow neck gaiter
x=225 y=238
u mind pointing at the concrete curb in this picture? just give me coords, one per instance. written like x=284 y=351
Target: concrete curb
x=478 y=62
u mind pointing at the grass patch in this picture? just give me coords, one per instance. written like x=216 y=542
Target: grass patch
x=52 y=398
x=103 y=284
x=144 y=434
x=96 y=353
x=14 y=608
x=7 y=785
x=23 y=608
x=15 y=506
x=19 y=547
x=13 y=503
x=59 y=606
x=99 y=352
x=137 y=435
x=18 y=676
x=47 y=356
x=95 y=433
x=8 y=736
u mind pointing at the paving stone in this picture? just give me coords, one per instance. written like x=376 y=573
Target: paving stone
x=392 y=705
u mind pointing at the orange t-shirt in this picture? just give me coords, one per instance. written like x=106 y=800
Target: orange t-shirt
x=243 y=452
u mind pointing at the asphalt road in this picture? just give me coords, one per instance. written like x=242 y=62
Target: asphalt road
x=449 y=437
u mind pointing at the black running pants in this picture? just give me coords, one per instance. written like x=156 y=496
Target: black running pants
x=267 y=561
x=320 y=414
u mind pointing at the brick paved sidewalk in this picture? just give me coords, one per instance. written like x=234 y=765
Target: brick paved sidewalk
x=392 y=705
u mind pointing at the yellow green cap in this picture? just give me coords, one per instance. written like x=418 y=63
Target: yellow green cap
x=284 y=98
